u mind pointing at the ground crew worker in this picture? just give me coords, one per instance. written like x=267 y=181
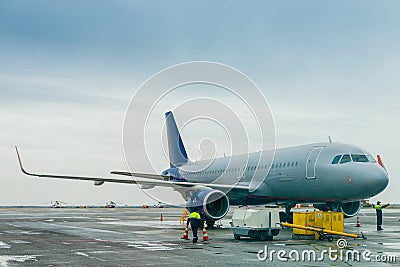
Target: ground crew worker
x=378 y=207
x=195 y=222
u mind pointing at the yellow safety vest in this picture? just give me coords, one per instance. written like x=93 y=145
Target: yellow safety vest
x=378 y=207
x=194 y=215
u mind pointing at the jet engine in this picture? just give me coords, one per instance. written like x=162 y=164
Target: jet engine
x=349 y=209
x=212 y=204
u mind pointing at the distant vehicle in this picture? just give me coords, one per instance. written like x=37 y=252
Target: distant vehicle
x=110 y=205
x=57 y=204
x=145 y=206
x=159 y=205
x=332 y=176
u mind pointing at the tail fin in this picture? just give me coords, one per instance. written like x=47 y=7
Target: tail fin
x=176 y=149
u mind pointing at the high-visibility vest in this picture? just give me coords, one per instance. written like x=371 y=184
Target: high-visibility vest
x=378 y=207
x=194 y=215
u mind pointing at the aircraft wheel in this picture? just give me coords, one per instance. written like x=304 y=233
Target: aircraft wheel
x=237 y=237
x=321 y=237
x=330 y=238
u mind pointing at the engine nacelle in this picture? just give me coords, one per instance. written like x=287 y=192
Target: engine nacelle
x=213 y=204
x=351 y=209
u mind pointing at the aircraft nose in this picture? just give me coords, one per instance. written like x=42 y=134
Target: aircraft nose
x=376 y=178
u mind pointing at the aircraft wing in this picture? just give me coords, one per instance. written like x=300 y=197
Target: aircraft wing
x=149 y=183
x=143 y=175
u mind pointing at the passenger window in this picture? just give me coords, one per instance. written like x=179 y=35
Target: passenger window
x=297 y=163
x=346 y=158
x=336 y=159
x=284 y=165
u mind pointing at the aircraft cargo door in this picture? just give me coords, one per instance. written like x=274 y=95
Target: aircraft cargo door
x=312 y=162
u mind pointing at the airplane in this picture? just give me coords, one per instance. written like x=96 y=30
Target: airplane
x=330 y=175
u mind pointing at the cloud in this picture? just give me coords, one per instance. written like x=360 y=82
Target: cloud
x=69 y=70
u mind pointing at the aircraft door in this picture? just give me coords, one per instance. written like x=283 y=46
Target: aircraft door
x=312 y=162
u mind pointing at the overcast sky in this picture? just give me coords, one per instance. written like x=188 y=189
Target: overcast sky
x=68 y=70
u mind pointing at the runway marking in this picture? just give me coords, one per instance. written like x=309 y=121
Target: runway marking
x=152 y=245
x=103 y=251
x=4 y=245
x=82 y=254
x=57 y=228
x=163 y=225
x=4 y=259
x=20 y=242
x=108 y=219
x=22 y=232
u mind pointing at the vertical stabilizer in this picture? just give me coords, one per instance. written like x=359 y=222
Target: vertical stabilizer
x=176 y=149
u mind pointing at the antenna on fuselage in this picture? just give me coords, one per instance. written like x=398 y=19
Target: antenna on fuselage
x=330 y=139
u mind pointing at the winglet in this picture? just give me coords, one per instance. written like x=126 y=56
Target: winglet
x=20 y=163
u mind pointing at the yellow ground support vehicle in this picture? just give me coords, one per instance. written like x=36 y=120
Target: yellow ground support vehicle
x=322 y=233
x=333 y=221
x=318 y=225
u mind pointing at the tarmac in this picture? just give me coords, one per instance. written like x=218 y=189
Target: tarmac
x=137 y=237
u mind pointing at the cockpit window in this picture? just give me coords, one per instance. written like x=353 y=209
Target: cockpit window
x=359 y=158
x=346 y=158
x=354 y=157
x=371 y=158
x=336 y=159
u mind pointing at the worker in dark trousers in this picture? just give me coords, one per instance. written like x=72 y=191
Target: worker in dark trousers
x=378 y=207
x=195 y=222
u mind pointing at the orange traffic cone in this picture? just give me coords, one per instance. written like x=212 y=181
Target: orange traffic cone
x=205 y=236
x=358 y=222
x=161 y=218
x=186 y=234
